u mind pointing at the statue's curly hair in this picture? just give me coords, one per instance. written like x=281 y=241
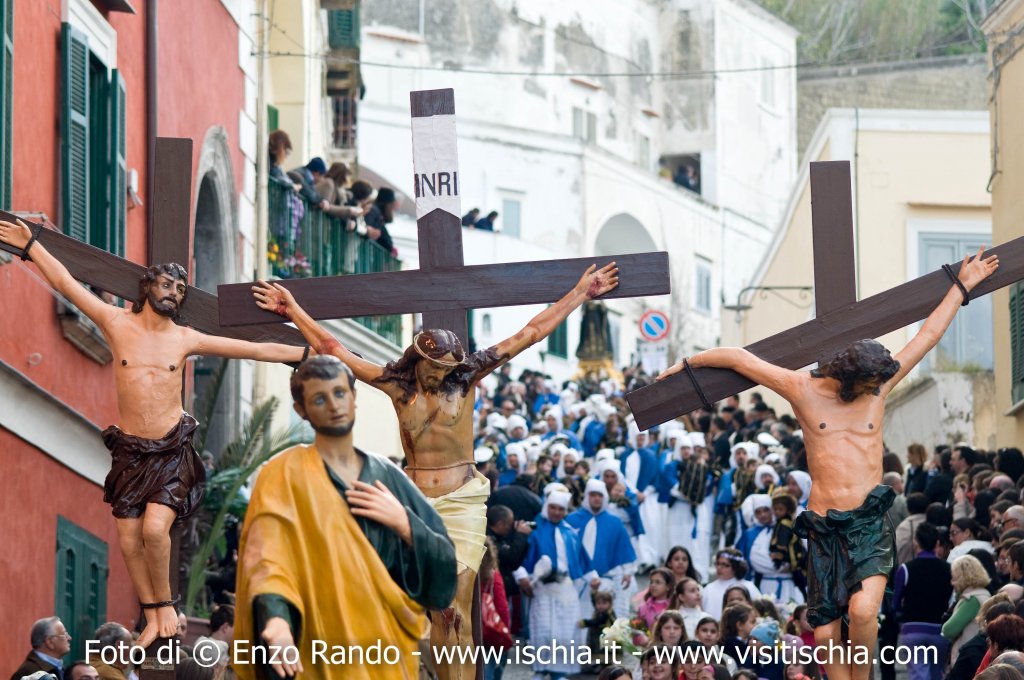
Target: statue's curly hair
x=172 y=269
x=864 y=361
x=402 y=371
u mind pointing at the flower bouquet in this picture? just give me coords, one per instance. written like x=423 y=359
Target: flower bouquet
x=623 y=635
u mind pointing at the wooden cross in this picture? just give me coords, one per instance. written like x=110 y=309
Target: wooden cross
x=443 y=289
x=840 y=319
x=170 y=234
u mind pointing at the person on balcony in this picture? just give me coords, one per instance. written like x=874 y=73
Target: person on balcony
x=379 y=216
x=308 y=177
x=334 y=187
x=487 y=223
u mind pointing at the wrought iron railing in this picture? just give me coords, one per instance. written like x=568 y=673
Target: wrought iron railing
x=305 y=241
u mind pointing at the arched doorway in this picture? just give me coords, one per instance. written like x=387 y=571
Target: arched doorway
x=623 y=234
x=214 y=250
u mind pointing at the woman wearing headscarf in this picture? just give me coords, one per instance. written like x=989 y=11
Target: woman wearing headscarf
x=556 y=568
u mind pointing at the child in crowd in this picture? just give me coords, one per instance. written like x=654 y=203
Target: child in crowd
x=669 y=629
x=687 y=601
x=601 y=619
x=737 y=622
x=658 y=593
x=786 y=549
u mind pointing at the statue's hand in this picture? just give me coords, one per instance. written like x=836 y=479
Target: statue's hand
x=671 y=370
x=274 y=297
x=278 y=636
x=16 y=235
x=596 y=282
x=975 y=270
x=376 y=502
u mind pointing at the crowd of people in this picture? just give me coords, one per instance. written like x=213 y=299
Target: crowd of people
x=355 y=203
x=583 y=503
x=111 y=655
x=701 y=510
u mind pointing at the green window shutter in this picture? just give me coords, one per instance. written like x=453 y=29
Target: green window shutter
x=272 y=117
x=118 y=184
x=343 y=28
x=75 y=132
x=558 y=341
x=81 y=579
x=6 y=101
x=1017 y=342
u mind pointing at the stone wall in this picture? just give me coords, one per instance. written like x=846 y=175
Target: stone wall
x=952 y=83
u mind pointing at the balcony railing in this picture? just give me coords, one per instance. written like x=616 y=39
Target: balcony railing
x=305 y=242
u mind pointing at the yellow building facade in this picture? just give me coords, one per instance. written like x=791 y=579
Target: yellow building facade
x=919 y=199
x=1005 y=30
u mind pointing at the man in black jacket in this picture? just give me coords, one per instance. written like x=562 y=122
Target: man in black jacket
x=50 y=641
x=920 y=597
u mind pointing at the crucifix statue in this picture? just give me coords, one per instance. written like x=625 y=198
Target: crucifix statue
x=840 y=406
x=432 y=385
x=156 y=476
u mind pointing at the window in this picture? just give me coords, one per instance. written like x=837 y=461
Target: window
x=93 y=166
x=584 y=125
x=558 y=341
x=343 y=28
x=81 y=578
x=1016 y=342
x=6 y=100
x=510 y=216
x=702 y=286
x=968 y=342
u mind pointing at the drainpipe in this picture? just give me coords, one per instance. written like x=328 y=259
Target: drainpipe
x=152 y=101
x=259 y=391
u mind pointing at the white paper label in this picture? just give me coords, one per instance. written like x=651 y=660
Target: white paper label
x=435 y=162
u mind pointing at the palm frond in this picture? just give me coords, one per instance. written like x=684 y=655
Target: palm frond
x=209 y=401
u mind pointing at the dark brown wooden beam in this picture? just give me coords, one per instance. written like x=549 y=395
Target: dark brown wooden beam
x=824 y=336
x=171 y=231
x=473 y=287
x=424 y=103
x=439 y=234
x=835 y=274
x=120 y=277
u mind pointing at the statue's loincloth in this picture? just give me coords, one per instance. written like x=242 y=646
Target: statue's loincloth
x=464 y=513
x=165 y=471
x=844 y=548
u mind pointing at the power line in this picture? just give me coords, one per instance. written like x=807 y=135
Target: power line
x=664 y=75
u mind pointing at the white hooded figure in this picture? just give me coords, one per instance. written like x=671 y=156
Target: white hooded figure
x=705 y=521
x=557 y=576
x=760 y=477
x=599 y=536
x=612 y=468
x=650 y=544
x=773 y=581
x=680 y=521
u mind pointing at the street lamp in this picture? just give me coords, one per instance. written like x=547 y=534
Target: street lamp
x=804 y=293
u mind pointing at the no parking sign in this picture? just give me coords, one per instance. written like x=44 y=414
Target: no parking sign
x=654 y=326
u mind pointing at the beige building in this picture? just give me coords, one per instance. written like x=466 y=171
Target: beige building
x=919 y=195
x=1005 y=30
x=315 y=102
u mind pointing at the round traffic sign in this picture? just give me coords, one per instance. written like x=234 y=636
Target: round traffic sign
x=654 y=326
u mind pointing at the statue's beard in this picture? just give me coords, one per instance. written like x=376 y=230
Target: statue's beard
x=161 y=307
x=329 y=431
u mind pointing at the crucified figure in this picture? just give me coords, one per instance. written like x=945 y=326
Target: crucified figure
x=840 y=406
x=156 y=475
x=431 y=388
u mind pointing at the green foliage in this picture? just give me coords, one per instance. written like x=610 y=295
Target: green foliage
x=834 y=32
x=236 y=464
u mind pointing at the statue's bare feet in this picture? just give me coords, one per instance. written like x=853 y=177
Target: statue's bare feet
x=167 y=619
x=149 y=634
